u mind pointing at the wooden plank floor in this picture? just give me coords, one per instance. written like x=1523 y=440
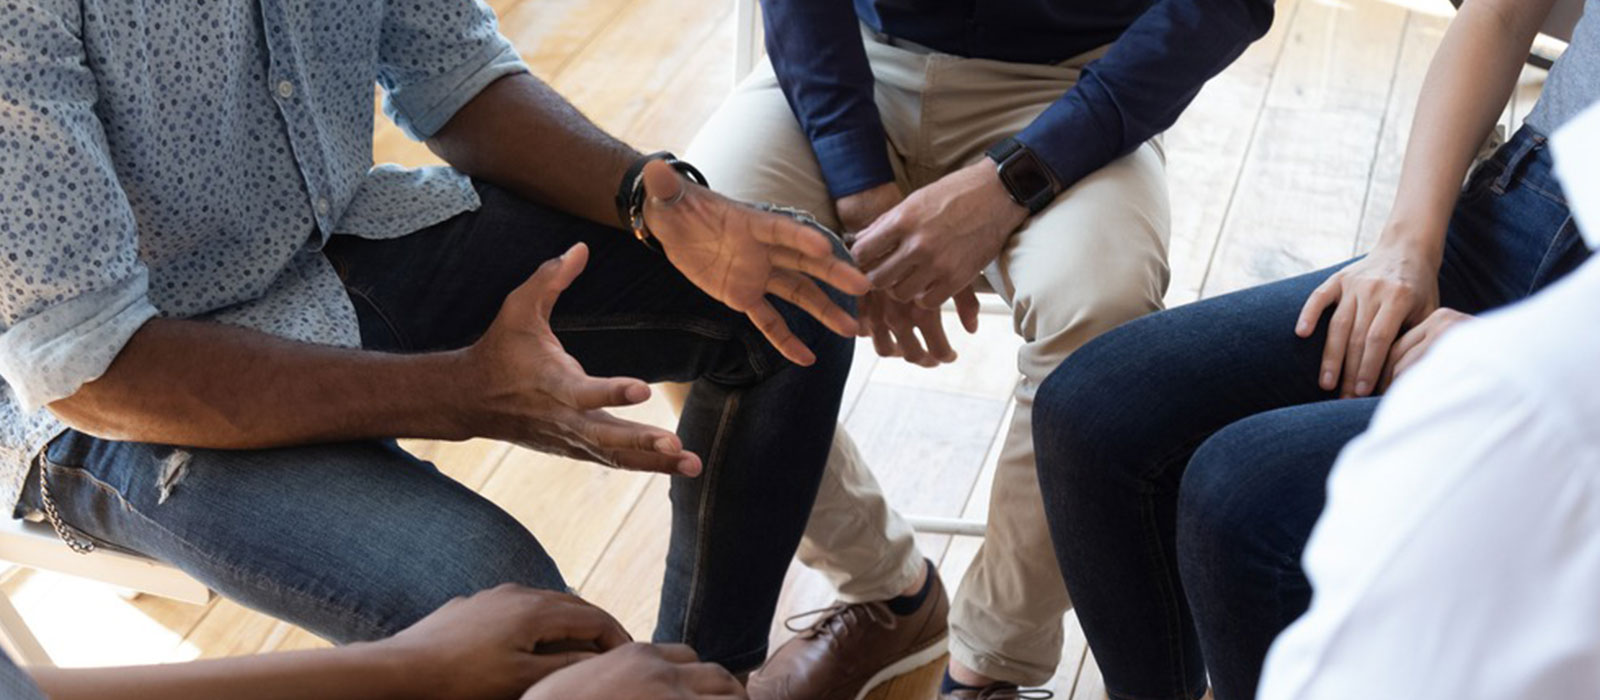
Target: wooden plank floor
x=1285 y=163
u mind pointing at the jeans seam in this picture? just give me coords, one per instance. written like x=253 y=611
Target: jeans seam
x=382 y=316
x=1542 y=269
x=232 y=570
x=707 y=507
x=1163 y=579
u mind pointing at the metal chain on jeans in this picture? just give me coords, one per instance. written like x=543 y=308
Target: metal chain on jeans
x=54 y=516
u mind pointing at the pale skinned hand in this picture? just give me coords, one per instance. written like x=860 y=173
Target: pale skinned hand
x=526 y=389
x=1415 y=343
x=940 y=238
x=894 y=325
x=739 y=254
x=1374 y=298
x=497 y=643
x=641 y=672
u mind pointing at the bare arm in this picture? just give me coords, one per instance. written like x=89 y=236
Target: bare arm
x=210 y=385
x=1396 y=286
x=354 y=672
x=1468 y=82
x=520 y=134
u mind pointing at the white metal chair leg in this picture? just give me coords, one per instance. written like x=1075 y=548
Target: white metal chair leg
x=17 y=639
x=747 y=38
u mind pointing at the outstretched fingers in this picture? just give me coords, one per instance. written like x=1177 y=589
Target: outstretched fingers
x=802 y=292
x=771 y=324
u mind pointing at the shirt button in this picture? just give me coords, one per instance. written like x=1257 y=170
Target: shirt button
x=322 y=206
x=285 y=89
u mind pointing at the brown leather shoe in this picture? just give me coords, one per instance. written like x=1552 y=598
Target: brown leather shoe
x=997 y=691
x=853 y=648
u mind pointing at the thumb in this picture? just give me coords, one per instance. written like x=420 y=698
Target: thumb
x=553 y=277
x=662 y=184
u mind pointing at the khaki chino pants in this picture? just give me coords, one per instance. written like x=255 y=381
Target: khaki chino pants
x=1091 y=261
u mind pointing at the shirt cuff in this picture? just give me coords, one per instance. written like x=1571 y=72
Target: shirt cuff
x=422 y=109
x=854 y=161
x=1073 y=140
x=48 y=356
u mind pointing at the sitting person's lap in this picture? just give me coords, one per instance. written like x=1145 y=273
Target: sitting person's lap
x=1120 y=421
x=358 y=540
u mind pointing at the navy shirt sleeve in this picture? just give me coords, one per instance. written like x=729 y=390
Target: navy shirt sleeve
x=816 y=51
x=1138 y=89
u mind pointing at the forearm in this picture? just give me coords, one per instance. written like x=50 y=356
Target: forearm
x=520 y=134
x=354 y=672
x=1465 y=91
x=210 y=385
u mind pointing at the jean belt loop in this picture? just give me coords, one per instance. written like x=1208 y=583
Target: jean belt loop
x=1526 y=145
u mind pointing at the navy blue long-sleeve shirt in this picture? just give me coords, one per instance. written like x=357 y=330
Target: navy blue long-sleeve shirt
x=1164 y=51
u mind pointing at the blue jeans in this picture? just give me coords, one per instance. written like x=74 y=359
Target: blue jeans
x=1183 y=456
x=356 y=541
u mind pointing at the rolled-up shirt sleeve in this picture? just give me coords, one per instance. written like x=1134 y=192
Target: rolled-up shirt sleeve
x=435 y=56
x=72 y=287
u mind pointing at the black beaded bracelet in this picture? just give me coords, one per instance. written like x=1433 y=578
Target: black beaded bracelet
x=631 y=194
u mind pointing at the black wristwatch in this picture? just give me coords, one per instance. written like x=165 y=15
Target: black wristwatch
x=1027 y=178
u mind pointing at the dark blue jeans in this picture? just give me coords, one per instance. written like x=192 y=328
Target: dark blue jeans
x=1183 y=456
x=356 y=541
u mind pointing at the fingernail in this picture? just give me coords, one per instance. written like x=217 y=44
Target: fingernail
x=1327 y=379
x=667 y=445
x=688 y=467
x=1362 y=388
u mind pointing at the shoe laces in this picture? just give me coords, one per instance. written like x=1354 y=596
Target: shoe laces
x=840 y=615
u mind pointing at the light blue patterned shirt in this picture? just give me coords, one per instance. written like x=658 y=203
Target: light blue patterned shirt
x=189 y=159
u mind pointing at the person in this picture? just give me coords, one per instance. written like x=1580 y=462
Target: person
x=217 y=315
x=1183 y=457
x=1013 y=141
x=1455 y=557
x=505 y=642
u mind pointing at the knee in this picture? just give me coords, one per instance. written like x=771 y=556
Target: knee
x=1223 y=508
x=1090 y=412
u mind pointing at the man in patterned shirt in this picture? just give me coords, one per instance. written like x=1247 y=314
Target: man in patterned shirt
x=216 y=315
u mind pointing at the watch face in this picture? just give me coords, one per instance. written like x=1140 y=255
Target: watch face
x=1024 y=177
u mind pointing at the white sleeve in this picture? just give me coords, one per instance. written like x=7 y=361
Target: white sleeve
x=1459 y=551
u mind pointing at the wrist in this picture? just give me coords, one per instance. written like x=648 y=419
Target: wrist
x=1421 y=237
x=997 y=199
x=398 y=670
x=449 y=385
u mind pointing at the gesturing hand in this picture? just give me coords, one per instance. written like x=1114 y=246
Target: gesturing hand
x=936 y=242
x=739 y=254
x=524 y=388
x=641 y=672
x=1392 y=287
x=497 y=643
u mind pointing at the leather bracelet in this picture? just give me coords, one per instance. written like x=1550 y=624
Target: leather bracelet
x=631 y=195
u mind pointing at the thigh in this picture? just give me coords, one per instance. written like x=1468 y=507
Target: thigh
x=1246 y=507
x=1091 y=261
x=353 y=541
x=439 y=289
x=752 y=149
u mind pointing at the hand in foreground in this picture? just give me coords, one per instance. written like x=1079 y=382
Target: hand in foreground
x=499 y=642
x=524 y=388
x=1374 y=298
x=739 y=254
x=893 y=325
x=936 y=242
x=1415 y=343
x=641 y=672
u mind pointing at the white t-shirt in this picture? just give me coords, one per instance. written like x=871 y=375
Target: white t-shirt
x=1459 y=553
